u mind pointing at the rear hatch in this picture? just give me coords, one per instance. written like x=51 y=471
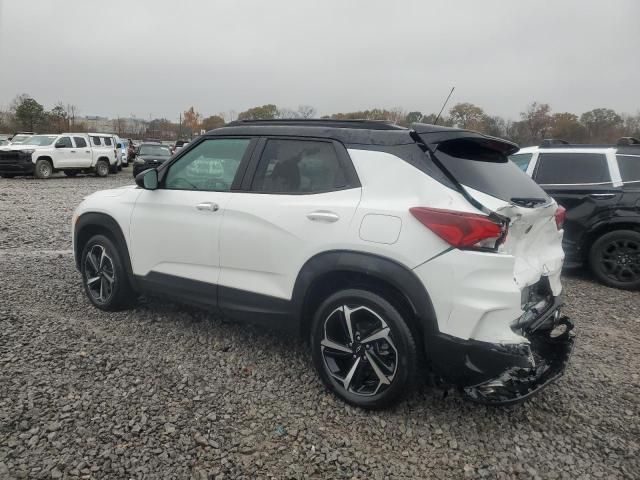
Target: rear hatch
x=480 y=165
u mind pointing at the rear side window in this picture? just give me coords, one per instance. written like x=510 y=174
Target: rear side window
x=96 y=141
x=521 y=160
x=629 y=166
x=299 y=166
x=80 y=142
x=107 y=141
x=487 y=171
x=572 y=168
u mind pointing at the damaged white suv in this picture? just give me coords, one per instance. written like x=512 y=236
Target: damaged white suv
x=397 y=252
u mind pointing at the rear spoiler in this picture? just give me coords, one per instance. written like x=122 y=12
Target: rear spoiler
x=434 y=136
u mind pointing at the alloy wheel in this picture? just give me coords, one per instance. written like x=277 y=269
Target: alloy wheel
x=620 y=260
x=358 y=350
x=99 y=274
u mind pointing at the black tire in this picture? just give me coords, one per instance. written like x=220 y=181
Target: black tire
x=43 y=168
x=614 y=259
x=71 y=173
x=7 y=175
x=102 y=168
x=370 y=313
x=112 y=290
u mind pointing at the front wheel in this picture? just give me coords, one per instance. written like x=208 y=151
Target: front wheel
x=43 y=168
x=614 y=259
x=104 y=276
x=363 y=349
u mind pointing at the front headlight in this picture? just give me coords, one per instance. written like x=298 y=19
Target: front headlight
x=28 y=151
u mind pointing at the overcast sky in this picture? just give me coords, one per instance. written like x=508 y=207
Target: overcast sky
x=158 y=57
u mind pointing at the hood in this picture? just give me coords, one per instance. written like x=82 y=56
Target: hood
x=24 y=146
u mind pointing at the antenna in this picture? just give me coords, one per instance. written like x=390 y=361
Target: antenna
x=444 y=105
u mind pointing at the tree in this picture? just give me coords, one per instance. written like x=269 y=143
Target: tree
x=495 y=126
x=58 y=118
x=537 y=120
x=264 y=112
x=467 y=115
x=191 y=120
x=306 y=111
x=28 y=113
x=214 y=121
x=602 y=124
x=566 y=126
x=413 y=117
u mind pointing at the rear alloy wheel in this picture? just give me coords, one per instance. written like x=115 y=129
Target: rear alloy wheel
x=43 y=168
x=615 y=259
x=104 y=277
x=363 y=349
x=102 y=168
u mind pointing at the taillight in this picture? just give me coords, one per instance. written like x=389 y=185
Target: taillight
x=460 y=229
x=561 y=216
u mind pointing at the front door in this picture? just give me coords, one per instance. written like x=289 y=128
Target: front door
x=64 y=154
x=174 y=229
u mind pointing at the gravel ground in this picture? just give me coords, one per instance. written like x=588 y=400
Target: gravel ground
x=166 y=391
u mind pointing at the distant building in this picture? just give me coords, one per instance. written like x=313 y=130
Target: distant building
x=95 y=123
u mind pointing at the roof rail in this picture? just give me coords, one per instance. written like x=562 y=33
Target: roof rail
x=552 y=142
x=628 y=141
x=321 y=122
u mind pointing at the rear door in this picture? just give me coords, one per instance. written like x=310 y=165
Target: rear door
x=82 y=152
x=299 y=197
x=581 y=182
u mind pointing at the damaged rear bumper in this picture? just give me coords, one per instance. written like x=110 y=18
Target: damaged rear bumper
x=500 y=374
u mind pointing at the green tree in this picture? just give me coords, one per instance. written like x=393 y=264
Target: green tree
x=264 y=112
x=602 y=124
x=28 y=113
x=566 y=126
x=214 y=121
x=413 y=117
x=537 y=121
x=58 y=118
x=467 y=115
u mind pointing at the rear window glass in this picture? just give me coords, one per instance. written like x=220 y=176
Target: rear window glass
x=80 y=142
x=572 y=168
x=107 y=141
x=629 y=166
x=96 y=141
x=521 y=160
x=488 y=171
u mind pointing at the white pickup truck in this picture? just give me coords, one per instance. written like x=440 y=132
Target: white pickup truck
x=42 y=155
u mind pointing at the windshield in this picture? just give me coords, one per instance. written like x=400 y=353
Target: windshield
x=20 y=139
x=40 y=140
x=154 y=151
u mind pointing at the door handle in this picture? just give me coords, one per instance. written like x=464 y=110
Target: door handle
x=323 y=216
x=602 y=195
x=72 y=151
x=209 y=206
x=87 y=151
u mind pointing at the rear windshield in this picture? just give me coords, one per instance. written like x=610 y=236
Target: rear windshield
x=155 y=150
x=487 y=171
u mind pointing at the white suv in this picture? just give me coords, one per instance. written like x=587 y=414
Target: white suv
x=392 y=250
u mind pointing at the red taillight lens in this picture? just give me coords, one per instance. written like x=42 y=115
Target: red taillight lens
x=561 y=215
x=461 y=229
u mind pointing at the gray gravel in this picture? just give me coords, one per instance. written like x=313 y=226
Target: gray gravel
x=166 y=391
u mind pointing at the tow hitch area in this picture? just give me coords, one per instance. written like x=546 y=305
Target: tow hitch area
x=550 y=351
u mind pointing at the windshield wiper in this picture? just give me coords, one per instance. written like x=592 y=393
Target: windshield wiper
x=528 y=202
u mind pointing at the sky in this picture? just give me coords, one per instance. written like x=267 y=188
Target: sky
x=156 y=58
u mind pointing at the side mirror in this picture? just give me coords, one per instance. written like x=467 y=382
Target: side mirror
x=119 y=145
x=148 y=179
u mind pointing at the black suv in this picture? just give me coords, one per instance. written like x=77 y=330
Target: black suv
x=599 y=186
x=150 y=155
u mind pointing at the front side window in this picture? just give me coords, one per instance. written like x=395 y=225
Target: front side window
x=210 y=166
x=521 y=160
x=80 y=142
x=96 y=141
x=299 y=166
x=629 y=166
x=572 y=169
x=64 y=142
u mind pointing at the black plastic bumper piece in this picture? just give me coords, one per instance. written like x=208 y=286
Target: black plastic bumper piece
x=504 y=374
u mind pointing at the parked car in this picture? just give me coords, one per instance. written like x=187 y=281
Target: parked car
x=19 y=138
x=179 y=145
x=384 y=246
x=121 y=151
x=150 y=155
x=106 y=141
x=44 y=155
x=599 y=185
